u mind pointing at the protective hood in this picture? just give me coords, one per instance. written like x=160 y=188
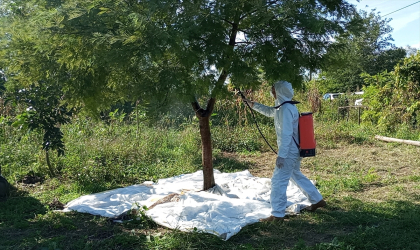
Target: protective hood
x=284 y=92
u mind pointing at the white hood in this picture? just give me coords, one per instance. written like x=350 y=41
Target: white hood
x=284 y=92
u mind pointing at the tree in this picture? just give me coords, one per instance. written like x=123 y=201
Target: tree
x=34 y=77
x=163 y=51
x=45 y=112
x=367 y=49
x=411 y=50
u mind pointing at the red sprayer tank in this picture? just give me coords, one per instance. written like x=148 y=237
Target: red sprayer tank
x=306 y=135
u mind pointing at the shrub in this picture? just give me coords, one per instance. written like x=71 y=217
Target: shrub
x=393 y=98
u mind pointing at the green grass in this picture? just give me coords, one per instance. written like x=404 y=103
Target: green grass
x=372 y=188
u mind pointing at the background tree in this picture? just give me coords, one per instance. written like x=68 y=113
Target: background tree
x=367 y=49
x=46 y=112
x=411 y=50
x=162 y=52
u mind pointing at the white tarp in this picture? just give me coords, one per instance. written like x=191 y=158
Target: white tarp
x=238 y=200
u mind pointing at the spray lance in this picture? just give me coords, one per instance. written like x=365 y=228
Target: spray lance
x=307 y=141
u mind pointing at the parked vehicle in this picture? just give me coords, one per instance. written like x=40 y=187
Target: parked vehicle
x=332 y=96
x=358 y=102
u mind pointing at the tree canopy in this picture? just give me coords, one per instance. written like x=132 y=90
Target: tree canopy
x=105 y=50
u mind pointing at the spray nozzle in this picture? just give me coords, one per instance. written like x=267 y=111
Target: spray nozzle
x=240 y=93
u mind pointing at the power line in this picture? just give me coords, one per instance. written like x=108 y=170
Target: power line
x=401 y=8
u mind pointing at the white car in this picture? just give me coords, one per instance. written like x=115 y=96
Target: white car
x=332 y=96
x=358 y=102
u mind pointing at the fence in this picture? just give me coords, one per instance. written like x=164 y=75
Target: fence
x=347 y=108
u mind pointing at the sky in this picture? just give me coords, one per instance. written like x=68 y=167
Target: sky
x=406 y=22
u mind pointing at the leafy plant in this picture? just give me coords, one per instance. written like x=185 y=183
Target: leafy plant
x=46 y=112
x=141 y=220
x=393 y=98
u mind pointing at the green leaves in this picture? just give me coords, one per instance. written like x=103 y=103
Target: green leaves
x=44 y=111
x=103 y=52
x=393 y=97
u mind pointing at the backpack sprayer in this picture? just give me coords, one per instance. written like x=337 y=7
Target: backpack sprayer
x=307 y=143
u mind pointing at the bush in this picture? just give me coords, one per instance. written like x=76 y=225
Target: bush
x=393 y=98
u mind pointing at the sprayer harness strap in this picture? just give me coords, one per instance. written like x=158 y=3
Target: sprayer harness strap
x=256 y=123
x=291 y=102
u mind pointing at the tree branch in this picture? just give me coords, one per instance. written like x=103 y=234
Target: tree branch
x=229 y=22
x=252 y=12
x=243 y=31
x=197 y=109
x=244 y=42
x=200 y=112
x=210 y=105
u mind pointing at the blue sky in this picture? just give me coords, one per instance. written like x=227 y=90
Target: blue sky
x=406 y=22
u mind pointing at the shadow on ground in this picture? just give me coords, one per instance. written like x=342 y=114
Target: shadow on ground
x=26 y=223
x=18 y=209
x=228 y=164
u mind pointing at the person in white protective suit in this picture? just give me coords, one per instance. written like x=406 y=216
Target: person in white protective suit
x=286 y=121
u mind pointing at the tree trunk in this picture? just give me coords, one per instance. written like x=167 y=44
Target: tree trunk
x=47 y=157
x=4 y=188
x=207 y=154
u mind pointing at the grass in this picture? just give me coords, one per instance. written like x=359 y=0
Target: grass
x=372 y=188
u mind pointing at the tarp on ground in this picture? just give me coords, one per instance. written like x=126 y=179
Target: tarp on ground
x=238 y=199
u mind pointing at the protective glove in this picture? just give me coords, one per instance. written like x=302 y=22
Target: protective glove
x=279 y=162
x=249 y=102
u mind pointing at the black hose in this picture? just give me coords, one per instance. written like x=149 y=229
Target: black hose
x=256 y=123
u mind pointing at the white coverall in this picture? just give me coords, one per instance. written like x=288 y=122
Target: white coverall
x=286 y=120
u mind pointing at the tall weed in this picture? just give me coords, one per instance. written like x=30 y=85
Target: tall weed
x=20 y=153
x=98 y=152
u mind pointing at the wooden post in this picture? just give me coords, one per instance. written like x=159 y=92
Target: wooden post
x=338 y=113
x=348 y=111
x=389 y=139
x=348 y=114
